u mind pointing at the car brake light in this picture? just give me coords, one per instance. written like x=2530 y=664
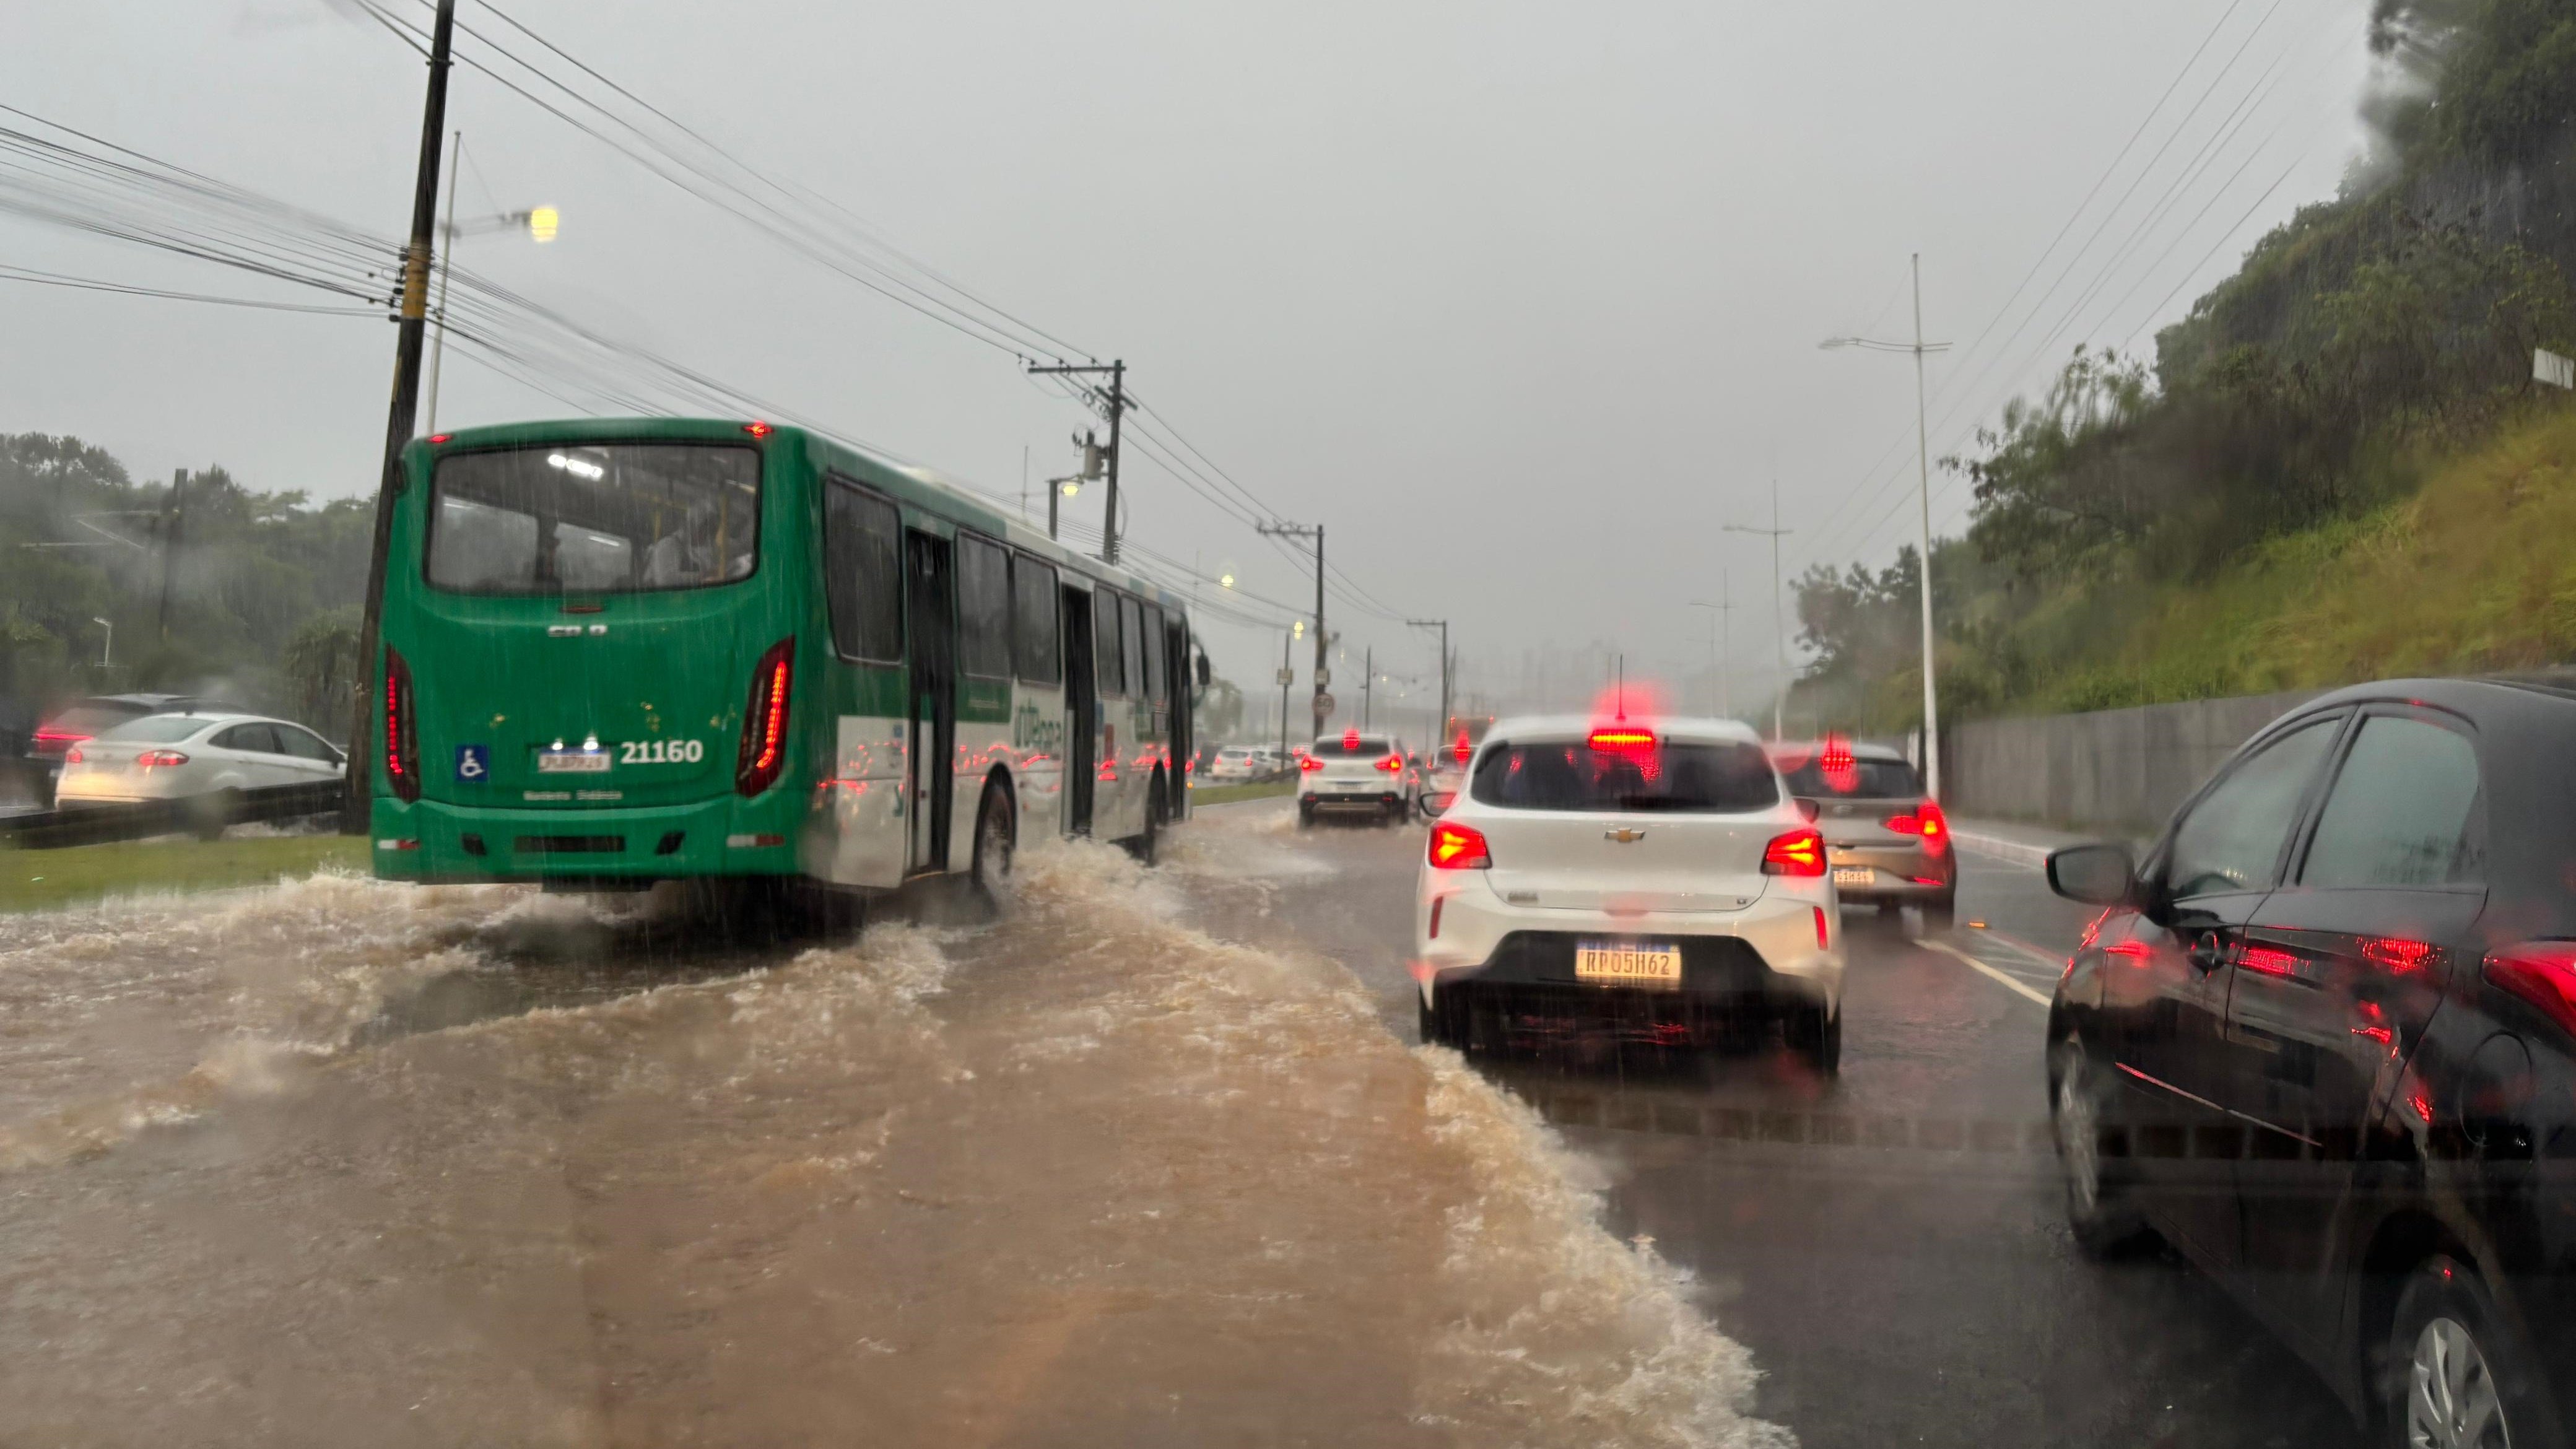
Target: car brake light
x=401 y=741
x=1458 y=847
x=1391 y=763
x=1926 y=820
x=1350 y=739
x=2542 y=973
x=1621 y=739
x=764 y=723
x=1462 y=749
x=1837 y=757
x=1799 y=852
x=1309 y=763
x=72 y=756
x=160 y=759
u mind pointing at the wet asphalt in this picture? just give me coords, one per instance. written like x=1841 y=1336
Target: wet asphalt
x=1889 y=1244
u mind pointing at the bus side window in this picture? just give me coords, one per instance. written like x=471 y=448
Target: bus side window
x=1131 y=634
x=1158 y=682
x=1104 y=641
x=863 y=573
x=1033 y=633
x=983 y=608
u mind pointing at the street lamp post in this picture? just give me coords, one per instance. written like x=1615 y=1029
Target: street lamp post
x=1721 y=618
x=1923 y=467
x=541 y=222
x=1779 y=621
x=107 y=649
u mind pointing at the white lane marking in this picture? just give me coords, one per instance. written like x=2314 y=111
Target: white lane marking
x=2011 y=852
x=2015 y=983
x=2052 y=964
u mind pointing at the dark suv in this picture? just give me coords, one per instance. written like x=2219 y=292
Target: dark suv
x=2324 y=1041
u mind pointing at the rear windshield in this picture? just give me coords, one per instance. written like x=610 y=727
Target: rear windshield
x=158 y=729
x=1365 y=747
x=613 y=518
x=1861 y=780
x=1571 y=775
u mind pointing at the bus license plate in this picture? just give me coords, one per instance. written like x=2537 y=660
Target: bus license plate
x=572 y=762
x=1859 y=875
x=1628 y=963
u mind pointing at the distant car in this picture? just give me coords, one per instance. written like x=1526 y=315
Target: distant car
x=1353 y=773
x=193 y=756
x=85 y=718
x=1653 y=875
x=1886 y=840
x=1235 y=763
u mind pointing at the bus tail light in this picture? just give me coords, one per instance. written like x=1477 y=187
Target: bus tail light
x=1459 y=847
x=1799 y=852
x=2542 y=973
x=764 y=723
x=401 y=737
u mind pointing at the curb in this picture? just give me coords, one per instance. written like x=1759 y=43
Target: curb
x=2032 y=857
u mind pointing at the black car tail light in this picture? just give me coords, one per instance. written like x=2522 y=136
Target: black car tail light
x=401 y=739
x=764 y=723
x=2542 y=973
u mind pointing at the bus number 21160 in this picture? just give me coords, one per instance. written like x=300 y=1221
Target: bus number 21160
x=661 y=752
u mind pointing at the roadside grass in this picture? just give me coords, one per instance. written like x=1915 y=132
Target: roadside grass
x=1226 y=794
x=34 y=880
x=2474 y=572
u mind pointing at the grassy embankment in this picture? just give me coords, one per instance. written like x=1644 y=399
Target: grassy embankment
x=38 y=879
x=2476 y=571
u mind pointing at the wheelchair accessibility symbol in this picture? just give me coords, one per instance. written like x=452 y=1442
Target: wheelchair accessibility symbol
x=473 y=762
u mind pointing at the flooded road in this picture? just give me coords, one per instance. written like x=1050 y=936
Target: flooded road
x=343 y=1162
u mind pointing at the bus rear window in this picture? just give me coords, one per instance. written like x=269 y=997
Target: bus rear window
x=611 y=518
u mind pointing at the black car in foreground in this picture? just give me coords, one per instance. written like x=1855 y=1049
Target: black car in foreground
x=2323 y=1040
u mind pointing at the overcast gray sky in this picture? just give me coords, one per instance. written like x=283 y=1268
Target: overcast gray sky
x=1520 y=300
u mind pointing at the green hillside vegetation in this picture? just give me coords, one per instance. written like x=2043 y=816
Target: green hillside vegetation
x=2337 y=465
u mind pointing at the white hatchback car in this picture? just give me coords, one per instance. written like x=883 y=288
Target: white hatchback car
x=187 y=756
x=1235 y=762
x=1651 y=874
x=1356 y=773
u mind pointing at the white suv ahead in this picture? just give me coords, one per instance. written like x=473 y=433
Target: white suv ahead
x=1653 y=875
x=1358 y=774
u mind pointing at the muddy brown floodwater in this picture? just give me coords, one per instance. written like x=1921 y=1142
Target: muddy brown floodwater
x=343 y=1162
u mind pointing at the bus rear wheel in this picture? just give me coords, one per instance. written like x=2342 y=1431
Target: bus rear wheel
x=1145 y=844
x=997 y=838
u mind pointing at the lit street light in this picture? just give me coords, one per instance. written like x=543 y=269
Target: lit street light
x=541 y=222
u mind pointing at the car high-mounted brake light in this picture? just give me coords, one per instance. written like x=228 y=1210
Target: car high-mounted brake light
x=401 y=742
x=1462 y=749
x=2542 y=973
x=1308 y=764
x=1350 y=739
x=1800 y=852
x=1458 y=847
x=1621 y=739
x=764 y=724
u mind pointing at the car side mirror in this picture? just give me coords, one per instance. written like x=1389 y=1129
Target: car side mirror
x=2098 y=875
x=1809 y=808
x=1203 y=672
x=1437 y=802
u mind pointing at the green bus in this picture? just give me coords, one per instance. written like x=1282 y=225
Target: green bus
x=619 y=651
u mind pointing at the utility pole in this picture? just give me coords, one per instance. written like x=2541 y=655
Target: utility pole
x=1287 y=676
x=446 y=263
x=1116 y=406
x=1721 y=618
x=170 y=543
x=406 y=403
x=1923 y=470
x=1323 y=671
x=1443 y=626
x=1368 y=681
x=1779 y=621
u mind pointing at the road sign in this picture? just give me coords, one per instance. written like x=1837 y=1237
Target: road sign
x=2549 y=367
x=1323 y=705
x=1287 y=676
x=1323 y=677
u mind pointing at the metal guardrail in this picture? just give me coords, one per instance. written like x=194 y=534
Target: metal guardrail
x=99 y=824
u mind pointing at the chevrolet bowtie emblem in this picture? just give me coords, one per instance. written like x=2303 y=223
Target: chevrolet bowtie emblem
x=1623 y=835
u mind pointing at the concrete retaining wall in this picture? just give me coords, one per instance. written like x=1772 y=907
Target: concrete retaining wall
x=2114 y=770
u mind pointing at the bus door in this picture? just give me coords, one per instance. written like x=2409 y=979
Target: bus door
x=1181 y=732
x=1082 y=712
x=930 y=606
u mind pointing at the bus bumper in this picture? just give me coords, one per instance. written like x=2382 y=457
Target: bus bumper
x=429 y=841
